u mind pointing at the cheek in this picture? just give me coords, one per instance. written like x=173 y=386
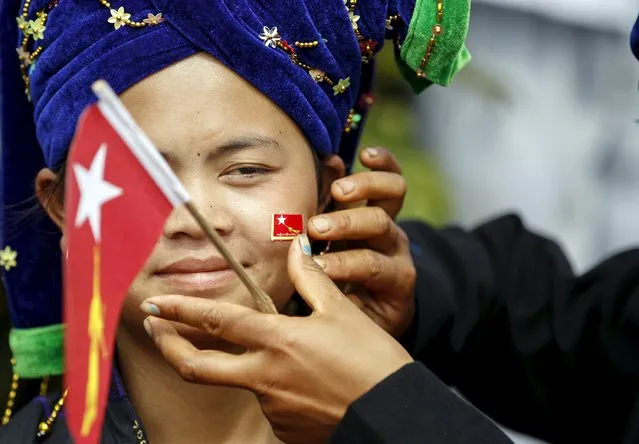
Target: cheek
x=253 y=216
x=249 y=212
x=253 y=211
x=141 y=288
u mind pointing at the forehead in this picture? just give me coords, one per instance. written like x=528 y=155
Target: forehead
x=197 y=84
x=199 y=99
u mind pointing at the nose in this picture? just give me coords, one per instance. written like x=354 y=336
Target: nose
x=181 y=224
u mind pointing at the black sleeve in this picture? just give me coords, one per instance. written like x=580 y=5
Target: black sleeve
x=412 y=406
x=502 y=317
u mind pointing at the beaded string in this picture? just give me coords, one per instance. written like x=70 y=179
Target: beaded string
x=437 y=30
x=119 y=18
x=307 y=45
x=8 y=411
x=354 y=117
x=272 y=39
x=318 y=76
x=32 y=29
x=352 y=121
x=366 y=46
x=45 y=426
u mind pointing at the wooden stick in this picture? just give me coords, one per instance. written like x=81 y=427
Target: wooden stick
x=264 y=302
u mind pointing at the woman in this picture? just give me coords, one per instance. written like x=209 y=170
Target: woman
x=238 y=175
x=257 y=109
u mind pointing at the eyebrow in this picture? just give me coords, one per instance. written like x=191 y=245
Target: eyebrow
x=232 y=146
x=244 y=142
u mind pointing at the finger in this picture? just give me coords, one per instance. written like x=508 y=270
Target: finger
x=380 y=159
x=317 y=289
x=379 y=188
x=370 y=268
x=369 y=185
x=232 y=323
x=371 y=224
x=200 y=366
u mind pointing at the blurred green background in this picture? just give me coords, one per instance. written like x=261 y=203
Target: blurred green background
x=392 y=124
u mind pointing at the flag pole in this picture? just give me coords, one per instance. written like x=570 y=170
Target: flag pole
x=264 y=302
x=164 y=177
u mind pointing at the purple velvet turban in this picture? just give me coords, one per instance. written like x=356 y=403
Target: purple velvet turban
x=304 y=55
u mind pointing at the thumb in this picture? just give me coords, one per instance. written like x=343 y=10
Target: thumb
x=310 y=281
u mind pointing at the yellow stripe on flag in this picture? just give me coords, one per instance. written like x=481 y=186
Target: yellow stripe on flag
x=97 y=345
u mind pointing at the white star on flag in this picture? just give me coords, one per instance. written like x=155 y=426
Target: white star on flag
x=281 y=220
x=94 y=192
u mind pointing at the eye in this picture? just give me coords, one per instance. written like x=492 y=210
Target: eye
x=247 y=171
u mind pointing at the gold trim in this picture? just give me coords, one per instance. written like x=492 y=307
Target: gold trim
x=437 y=30
x=8 y=411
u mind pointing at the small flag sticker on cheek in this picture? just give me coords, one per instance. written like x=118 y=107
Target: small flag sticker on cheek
x=286 y=226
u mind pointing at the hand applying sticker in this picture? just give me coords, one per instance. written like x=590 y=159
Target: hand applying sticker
x=305 y=371
x=376 y=255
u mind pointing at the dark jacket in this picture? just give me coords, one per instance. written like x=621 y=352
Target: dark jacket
x=410 y=406
x=503 y=318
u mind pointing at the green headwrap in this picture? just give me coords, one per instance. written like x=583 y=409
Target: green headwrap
x=434 y=50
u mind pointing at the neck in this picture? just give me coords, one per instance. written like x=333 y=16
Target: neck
x=173 y=410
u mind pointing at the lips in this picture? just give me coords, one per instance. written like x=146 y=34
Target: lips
x=197 y=275
x=192 y=265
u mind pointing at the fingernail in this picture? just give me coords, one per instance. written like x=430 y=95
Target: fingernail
x=347 y=186
x=305 y=244
x=320 y=262
x=150 y=308
x=147 y=326
x=372 y=152
x=322 y=224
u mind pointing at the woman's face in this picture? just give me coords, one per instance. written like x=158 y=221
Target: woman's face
x=242 y=159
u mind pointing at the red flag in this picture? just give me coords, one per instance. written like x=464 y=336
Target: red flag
x=118 y=197
x=286 y=226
